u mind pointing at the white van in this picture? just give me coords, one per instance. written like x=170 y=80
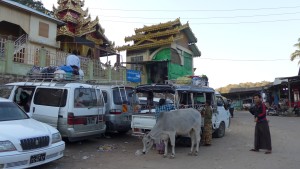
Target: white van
x=119 y=106
x=75 y=109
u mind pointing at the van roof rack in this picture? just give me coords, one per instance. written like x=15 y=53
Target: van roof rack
x=181 y=82
x=51 y=77
x=106 y=82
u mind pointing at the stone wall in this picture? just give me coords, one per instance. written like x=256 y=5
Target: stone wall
x=6 y=78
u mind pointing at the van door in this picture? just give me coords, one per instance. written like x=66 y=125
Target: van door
x=46 y=104
x=87 y=114
x=223 y=114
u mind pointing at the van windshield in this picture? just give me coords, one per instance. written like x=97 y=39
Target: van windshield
x=5 y=91
x=121 y=96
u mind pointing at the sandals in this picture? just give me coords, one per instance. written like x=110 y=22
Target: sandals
x=256 y=150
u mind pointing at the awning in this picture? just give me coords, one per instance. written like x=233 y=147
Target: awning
x=145 y=62
x=84 y=41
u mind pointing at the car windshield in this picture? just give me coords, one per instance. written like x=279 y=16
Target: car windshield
x=10 y=111
x=5 y=91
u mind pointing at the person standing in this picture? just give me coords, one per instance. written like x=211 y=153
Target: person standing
x=262 y=136
x=207 y=133
x=74 y=61
x=231 y=108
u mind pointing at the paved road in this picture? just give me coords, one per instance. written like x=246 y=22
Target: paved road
x=230 y=152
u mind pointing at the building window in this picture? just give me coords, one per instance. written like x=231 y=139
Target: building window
x=44 y=29
x=136 y=66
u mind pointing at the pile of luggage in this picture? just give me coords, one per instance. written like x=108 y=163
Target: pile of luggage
x=55 y=72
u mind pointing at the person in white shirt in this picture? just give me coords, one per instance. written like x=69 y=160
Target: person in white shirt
x=73 y=61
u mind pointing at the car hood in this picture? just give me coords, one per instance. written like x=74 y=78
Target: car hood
x=27 y=128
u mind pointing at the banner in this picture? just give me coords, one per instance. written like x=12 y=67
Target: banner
x=133 y=76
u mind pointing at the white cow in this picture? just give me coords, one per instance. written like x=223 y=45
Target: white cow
x=186 y=122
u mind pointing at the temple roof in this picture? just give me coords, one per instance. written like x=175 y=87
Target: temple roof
x=81 y=25
x=159 y=35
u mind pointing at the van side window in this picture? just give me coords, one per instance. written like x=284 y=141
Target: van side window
x=100 y=101
x=50 y=97
x=220 y=101
x=105 y=96
x=121 y=96
x=85 y=97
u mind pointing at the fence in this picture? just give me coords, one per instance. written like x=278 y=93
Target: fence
x=19 y=59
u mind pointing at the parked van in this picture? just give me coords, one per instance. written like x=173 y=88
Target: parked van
x=185 y=96
x=75 y=109
x=119 y=103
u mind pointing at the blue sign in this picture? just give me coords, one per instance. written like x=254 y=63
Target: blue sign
x=133 y=76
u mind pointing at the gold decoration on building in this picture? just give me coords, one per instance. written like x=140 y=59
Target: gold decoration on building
x=96 y=41
x=155 y=36
x=158 y=26
x=64 y=31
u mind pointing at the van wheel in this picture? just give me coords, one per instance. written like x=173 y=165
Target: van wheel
x=220 y=132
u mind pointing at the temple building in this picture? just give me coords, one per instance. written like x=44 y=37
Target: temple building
x=80 y=32
x=162 y=52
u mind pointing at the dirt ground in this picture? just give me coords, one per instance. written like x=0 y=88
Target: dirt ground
x=230 y=152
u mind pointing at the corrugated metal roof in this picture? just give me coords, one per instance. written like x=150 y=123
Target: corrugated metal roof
x=30 y=10
x=195 y=50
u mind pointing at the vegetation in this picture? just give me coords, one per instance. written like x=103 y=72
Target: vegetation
x=296 y=54
x=35 y=4
x=227 y=88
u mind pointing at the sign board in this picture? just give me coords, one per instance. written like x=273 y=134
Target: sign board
x=133 y=76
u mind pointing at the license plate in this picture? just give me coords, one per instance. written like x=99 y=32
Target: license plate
x=37 y=158
x=91 y=120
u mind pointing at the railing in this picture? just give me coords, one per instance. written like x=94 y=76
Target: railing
x=30 y=55
x=20 y=42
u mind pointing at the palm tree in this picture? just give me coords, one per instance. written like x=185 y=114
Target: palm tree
x=296 y=54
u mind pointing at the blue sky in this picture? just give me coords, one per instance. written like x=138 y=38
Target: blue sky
x=241 y=41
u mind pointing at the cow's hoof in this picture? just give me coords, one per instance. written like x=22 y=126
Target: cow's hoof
x=196 y=154
x=190 y=153
x=172 y=156
x=165 y=155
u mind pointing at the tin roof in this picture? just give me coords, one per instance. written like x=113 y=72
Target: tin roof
x=30 y=10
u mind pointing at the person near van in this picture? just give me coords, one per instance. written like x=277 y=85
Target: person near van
x=79 y=100
x=262 y=136
x=74 y=61
x=231 y=108
x=207 y=131
x=24 y=101
x=162 y=107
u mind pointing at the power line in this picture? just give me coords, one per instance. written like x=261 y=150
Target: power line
x=195 y=10
x=214 y=17
x=216 y=23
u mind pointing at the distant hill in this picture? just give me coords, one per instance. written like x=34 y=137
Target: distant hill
x=227 y=88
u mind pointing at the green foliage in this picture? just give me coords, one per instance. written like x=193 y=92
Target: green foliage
x=296 y=54
x=227 y=88
x=35 y=4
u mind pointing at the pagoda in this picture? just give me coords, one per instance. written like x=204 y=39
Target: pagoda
x=164 y=51
x=80 y=32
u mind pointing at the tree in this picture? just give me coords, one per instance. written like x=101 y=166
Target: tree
x=34 y=4
x=296 y=54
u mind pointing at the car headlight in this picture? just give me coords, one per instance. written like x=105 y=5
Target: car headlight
x=7 y=146
x=56 y=137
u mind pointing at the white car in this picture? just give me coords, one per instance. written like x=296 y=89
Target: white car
x=25 y=142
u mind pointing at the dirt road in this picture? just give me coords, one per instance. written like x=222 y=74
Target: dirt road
x=229 y=152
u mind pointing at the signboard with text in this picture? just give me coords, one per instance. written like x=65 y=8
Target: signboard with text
x=133 y=76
